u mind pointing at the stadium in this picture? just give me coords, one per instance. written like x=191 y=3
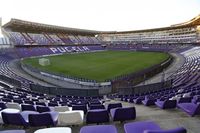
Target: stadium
x=71 y=80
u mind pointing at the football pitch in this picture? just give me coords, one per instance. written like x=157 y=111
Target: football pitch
x=99 y=66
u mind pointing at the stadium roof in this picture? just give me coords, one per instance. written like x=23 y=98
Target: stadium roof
x=193 y=22
x=26 y=26
x=33 y=27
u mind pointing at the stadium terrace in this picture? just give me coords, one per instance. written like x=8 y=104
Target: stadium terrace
x=53 y=77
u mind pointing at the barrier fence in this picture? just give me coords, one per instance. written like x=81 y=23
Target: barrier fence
x=145 y=88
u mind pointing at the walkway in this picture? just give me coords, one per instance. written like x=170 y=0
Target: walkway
x=177 y=63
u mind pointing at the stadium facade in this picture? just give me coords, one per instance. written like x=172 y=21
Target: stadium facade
x=188 y=32
x=29 y=33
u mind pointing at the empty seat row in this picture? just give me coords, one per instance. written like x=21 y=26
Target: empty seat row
x=133 y=127
x=76 y=117
x=22 y=118
x=30 y=118
x=44 y=108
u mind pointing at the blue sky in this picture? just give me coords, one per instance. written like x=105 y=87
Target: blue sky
x=103 y=15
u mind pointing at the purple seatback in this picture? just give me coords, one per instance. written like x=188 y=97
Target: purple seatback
x=176 y=130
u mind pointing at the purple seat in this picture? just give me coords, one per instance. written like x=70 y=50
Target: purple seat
x=138 y=100
x=140 y=127
x=196 y=99
x=162 y=99
x=99 y=129
x=113 y=105
x=28 y=107
x=175 y=130
x=149 y=127
x=28 y=102
x=131 y=100
x=184 y=100
x=123 y=114
x=94 y=102
x=44 y=119
x=167 y=104
x=97 y=116
x=190 y=108
x=80 y=107
x=40 y=103
x=25 y=114
x=97 y=106
x=6 y=100
x=2 y=105
x=14 y=119
x=52 y=104
x=18 y=101
x=148 y=101
x=43 y=109
x=13 y=131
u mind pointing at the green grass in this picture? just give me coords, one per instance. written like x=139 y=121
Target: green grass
x=100 y=66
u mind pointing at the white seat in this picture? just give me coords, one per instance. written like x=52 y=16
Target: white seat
x=187 y=94
x=13 y=105
x=10 y=110
x=15 y=96
x=61 y=108
x=74 y=117
x=175 y=98
x=43 y=100
x=54 y=130
x=180 y=90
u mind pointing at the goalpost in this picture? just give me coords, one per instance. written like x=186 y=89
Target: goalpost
x=44 y=62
